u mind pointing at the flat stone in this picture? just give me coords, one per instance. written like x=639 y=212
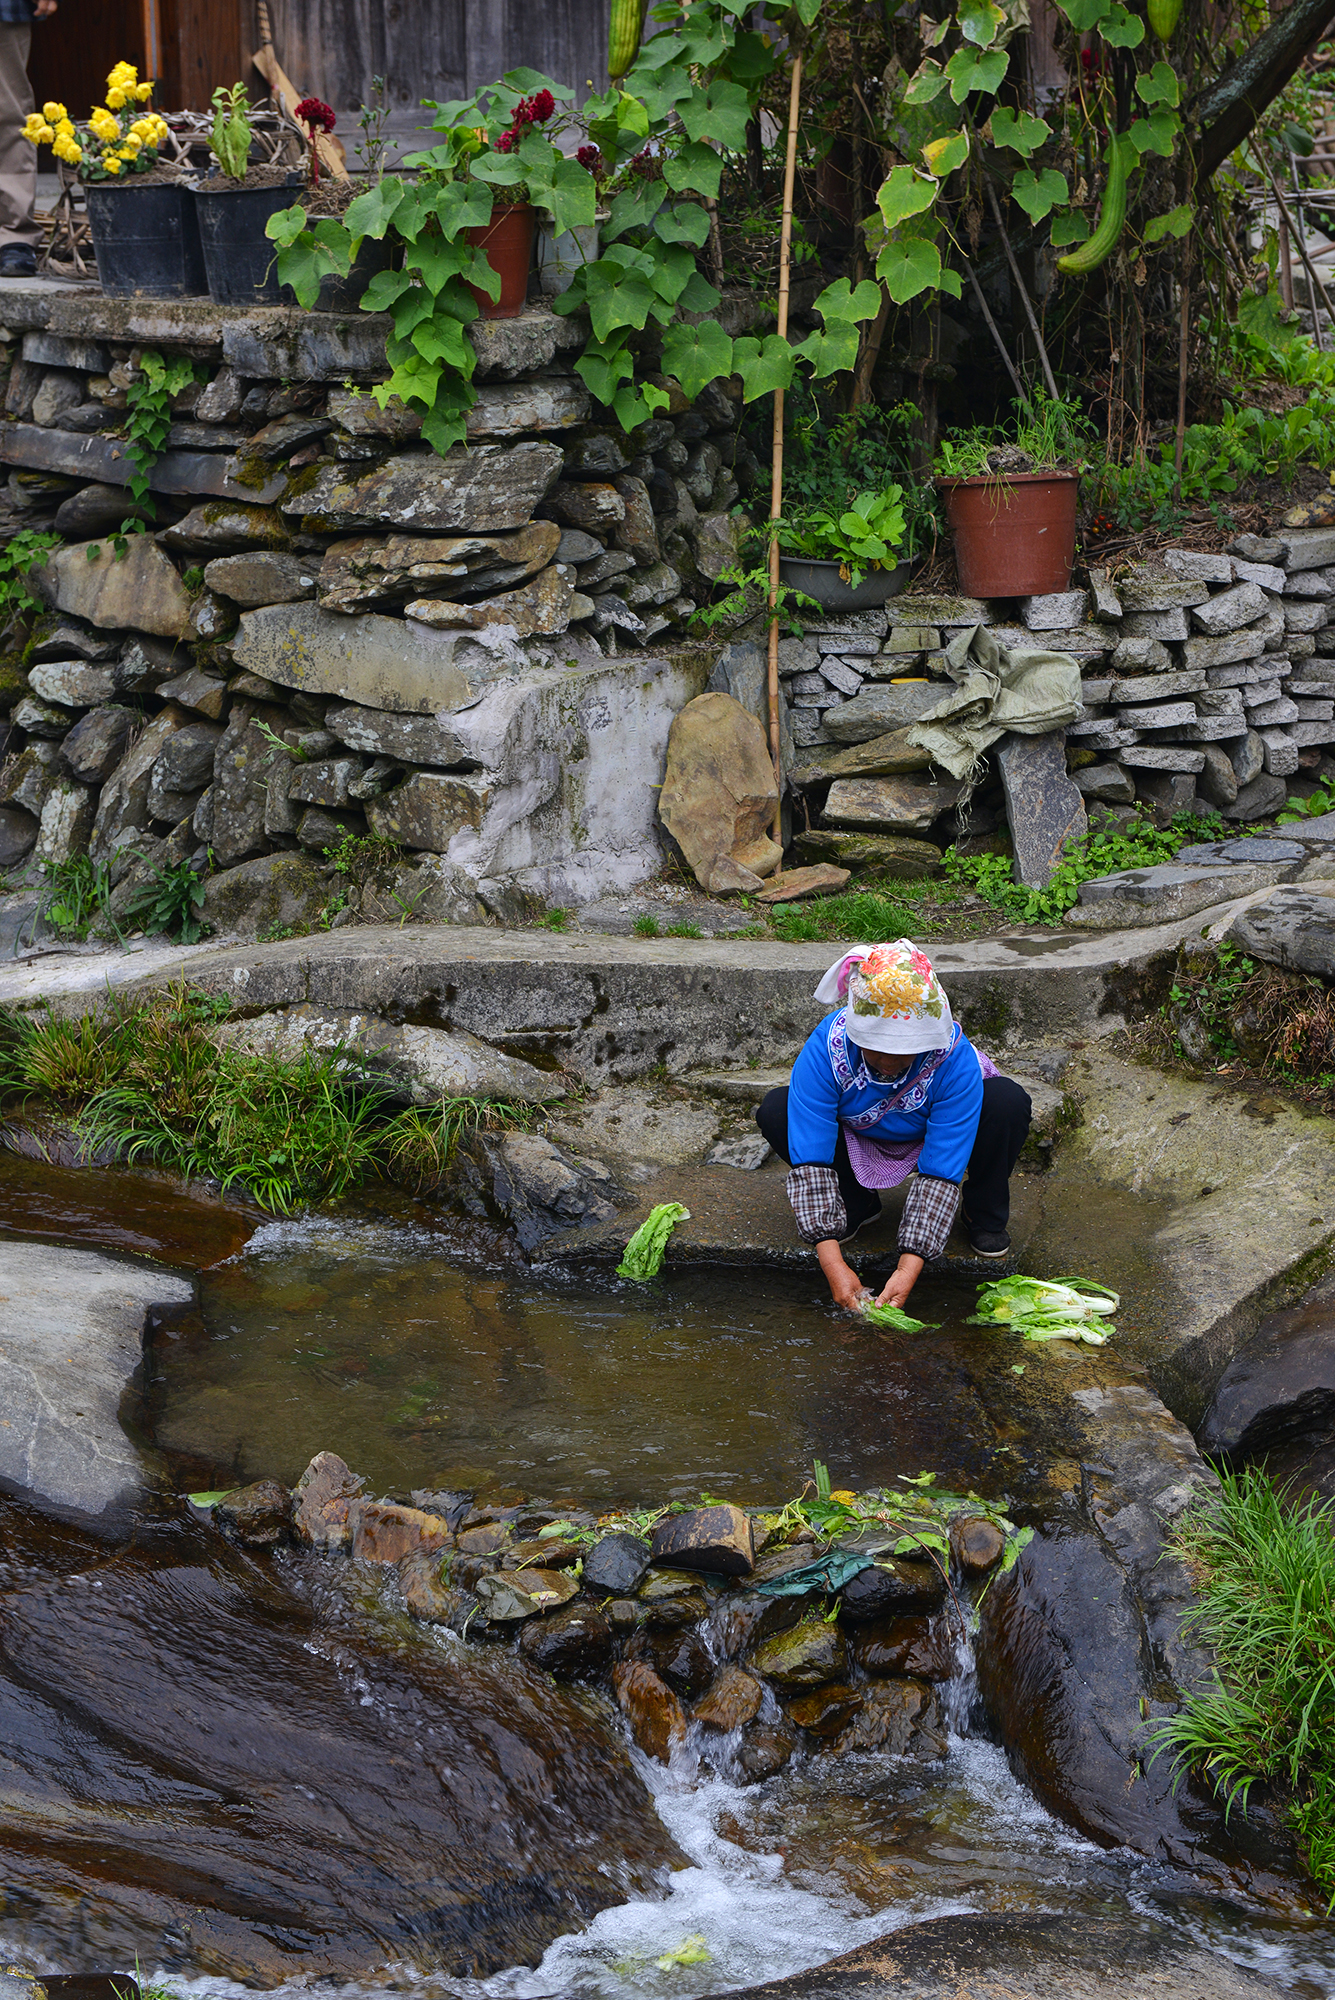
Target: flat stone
x=911 y=607
x=1294 y=927
x=796 y=884
x=1267 y=714
x=1307 y=733
x=1162 y=757
x=410 y=739
x=104 y=459
x=1196 y=566
x=71 y=1336
x=261 y=578
x=881 y=707
x=1164 y=625
x=718 y=795
x=1304 y=617
x=1054 y=612
x=382 y=663
x=888 y=805
x=324 y=781
x=591 y=505
x=429 y=808
x=1144 y=591
x=415 y=1065
x=1044 y=809
x=1244 y=674
x=1259 y=548
x=717 y=1540
x=66 y=823
x=887 y=856
x=1259 y=798
x=1226 y=648
x=323 y=1499
x=1266 y=576
x=1144 y=656
x=1313 y=548
x=71 y=683
x=807 y=1655
x=1252 y=847
x=747 y=1154
x=140 y=589
x=224 y=527
x=554 y=404
x=367 y=572
x=1164 y=893
x=1162 y=687
x=197 y=690
x=1166 y=715
x=1108 y=783
x=1214 y=729
x=466 y=490
x=1086 y=642
x=542 y=605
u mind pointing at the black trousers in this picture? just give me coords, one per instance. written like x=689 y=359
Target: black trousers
x=1003 y=1125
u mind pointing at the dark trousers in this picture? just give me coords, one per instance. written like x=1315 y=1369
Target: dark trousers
x=1003 y=1124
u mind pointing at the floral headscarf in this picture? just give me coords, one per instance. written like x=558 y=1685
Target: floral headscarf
x=891 y=998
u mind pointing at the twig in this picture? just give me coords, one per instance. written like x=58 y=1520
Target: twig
x=992 y=329
x=1301 y=234
x=1184 y=333
x=1283 y=208
x=776 y=474
x=1024 y=295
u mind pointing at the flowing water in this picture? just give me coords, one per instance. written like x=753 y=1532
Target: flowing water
x=272 y=1748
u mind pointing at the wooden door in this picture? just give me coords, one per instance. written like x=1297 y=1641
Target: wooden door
x=74 y=50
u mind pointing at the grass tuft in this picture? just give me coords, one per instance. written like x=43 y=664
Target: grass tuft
x=1264 y=1569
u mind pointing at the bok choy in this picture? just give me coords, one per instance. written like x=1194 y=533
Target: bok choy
x=1048 y=1308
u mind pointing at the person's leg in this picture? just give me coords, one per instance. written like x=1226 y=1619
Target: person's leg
x=860 y=1203
x=18 y=157
x=1002 y=1127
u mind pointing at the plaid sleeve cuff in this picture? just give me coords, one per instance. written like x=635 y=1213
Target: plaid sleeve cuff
x=928 y=1215
x=817 y=1204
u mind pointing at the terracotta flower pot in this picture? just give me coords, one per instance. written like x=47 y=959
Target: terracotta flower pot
x=1014 y=532
x=507 y=244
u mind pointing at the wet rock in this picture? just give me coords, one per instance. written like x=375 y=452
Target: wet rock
x=825 y=1712
x=261 y=577
x=543 y=1190
x=425 y=1579
x=385 y=1533
x=323 y=1500
x=735 y=1697
x=509 y=1595
x=574 y=1644
x=718 y=794
x=764 y=1750
x=139 y=590
x=655 y=1715
x=1279 y=1389
x=715 y=1539
x=812 y=1653
x=892 y=1588
x=96 y=743
x=879 y=856
x=260 y=1515
x=976 y=1544
x=901 y=1718
x=1044 y=809
x=274 y=891
x=540 y=606
x=484 y=1540
x=474 y=492
x=683 y=1660
x=223 y=527
x=911 y=1646
x=616 y=1564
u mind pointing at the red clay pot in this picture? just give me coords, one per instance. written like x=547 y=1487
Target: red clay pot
x=1014 y=532
x=507 y=243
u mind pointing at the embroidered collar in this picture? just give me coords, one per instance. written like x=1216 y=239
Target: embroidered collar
x=906 y=1092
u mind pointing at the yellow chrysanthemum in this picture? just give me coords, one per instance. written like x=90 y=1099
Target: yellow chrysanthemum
x=68 y=150
x=115 y=98
x=161 y=132
x=45 y=136
x=32 y=126
x=112 y=164
x=53 y=112
x=131 y=147
x=143 y=127
x=123 y=72
x=103 y=126
x=143 y=92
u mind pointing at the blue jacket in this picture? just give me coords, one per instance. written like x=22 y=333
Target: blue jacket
x=946 y=1121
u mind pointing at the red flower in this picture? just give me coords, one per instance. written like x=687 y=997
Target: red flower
x=541 y=106
x=590 y=157
x=315 y=114
x=505 y=143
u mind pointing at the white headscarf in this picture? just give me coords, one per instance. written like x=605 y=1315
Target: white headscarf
x=891 y=997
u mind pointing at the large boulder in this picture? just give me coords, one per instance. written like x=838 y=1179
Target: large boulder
x=465 y=492
x=415 y=1065
x=139 y=589
x=719 y=792
x=1279 y=1390
x=1294 y=927
x=273 y=892
x=381 y=663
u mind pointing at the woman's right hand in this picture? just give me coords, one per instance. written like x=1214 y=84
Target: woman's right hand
x=846 y=1287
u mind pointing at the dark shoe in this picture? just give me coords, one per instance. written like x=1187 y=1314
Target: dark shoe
x=859 y=1219
x=18 y=260
x=990 y=1243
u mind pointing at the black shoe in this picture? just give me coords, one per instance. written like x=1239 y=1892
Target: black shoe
x=860 y=1219
x=990 y=1243
x=18 y=260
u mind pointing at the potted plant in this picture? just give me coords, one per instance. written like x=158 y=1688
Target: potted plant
x=847 y=558
x=139 y=207
x=234 y=204
x=1012 y=504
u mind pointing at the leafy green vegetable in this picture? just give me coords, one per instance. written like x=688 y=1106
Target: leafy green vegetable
x=1048 y=1308
x=691 y=1951
x=648 y=1246
x=893 y=1317
x=209 y=1499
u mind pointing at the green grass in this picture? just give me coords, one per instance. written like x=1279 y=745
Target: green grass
x=645 y=927
x=151 y=1081
x=860 y=914
x=1264 y=1568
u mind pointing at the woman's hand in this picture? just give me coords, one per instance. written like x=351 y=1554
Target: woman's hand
x=904 y=1277
x=846 y=1287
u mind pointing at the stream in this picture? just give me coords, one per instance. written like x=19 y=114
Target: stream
x=223 y=1764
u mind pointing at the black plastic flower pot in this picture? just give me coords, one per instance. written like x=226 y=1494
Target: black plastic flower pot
x=344 y=294
x=241 y=262
x=146 y=239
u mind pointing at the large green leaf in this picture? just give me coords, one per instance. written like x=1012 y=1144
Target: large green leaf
x=696 y=169
x=698 y=295
x=1039 y=194
x=1160 y=86
x=696 y=355
x=968 y=71
x=721 y=113
x=673 y=268
x=1157 y=133
x=526 y=81
x=1120 y=29
x=1084 y=15
x=902 y=193
x=1073 y=227
x=945 y=152
x=764 y=365
x=682 y=222
x=1017 y=131
x=927 y=82
x=304 y=262
x=370 y=214
x=634 y=406
x=625 y=303
x=831 y=352
x=385 y=289
x=908 y=266
x=437 y=261
x=498 y=169
x=1177 y=222
x=570 y=197
x=840 y=301
x=442 y=339
x=980 y=21
x=634 y=208
x=602 y=367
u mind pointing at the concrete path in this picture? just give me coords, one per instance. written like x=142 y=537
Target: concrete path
x=71 y=1336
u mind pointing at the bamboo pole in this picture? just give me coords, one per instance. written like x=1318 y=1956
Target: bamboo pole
x=1183 y=342
x=1300 y=231
x=776 y=474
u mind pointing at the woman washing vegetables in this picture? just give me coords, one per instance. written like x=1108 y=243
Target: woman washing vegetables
x=887 y=1083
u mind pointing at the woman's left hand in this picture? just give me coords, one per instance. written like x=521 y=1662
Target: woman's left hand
x=904 y=1277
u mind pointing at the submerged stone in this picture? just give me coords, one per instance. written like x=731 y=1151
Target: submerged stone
x=656 y=1718
x=912 y=1646
x=808 y=1655
x=259 y=1515
x=893 y=1588
x=902 y=1718
x=733 y=1699
x=506 y=1595
x=385 y=1533
x=570 y=1644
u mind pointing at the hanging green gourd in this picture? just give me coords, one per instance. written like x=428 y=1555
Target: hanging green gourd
x=1096 y=249
x=1163 y=17
x=624 y=27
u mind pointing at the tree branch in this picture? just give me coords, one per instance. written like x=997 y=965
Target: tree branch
x=1228 y=109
